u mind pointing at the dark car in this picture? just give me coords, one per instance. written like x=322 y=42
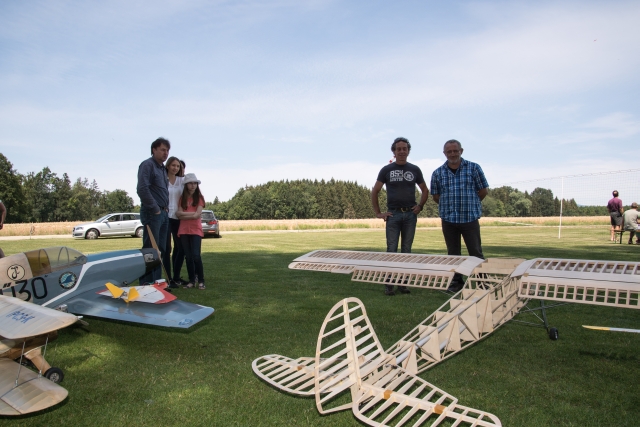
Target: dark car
x=210 y=224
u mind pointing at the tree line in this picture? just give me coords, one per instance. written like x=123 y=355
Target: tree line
x=46 y=197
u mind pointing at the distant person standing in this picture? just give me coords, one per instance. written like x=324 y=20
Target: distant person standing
x=615 y=211
x=400 y=179
x=154 y=201
x=458 y=187
x=631 y=222
x=175 y=187
x=190 y=231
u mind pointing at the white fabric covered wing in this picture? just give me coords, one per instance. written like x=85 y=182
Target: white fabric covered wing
x=22 y=319
x=33 y=393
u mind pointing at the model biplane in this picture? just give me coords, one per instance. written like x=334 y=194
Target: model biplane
x=92 y=285
x=25 y=329
x=383 y=386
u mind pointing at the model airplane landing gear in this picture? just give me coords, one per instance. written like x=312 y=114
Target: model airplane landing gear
x=553 y=333
x=54 y=374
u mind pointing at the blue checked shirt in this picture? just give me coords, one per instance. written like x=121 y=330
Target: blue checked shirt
x=459 y=201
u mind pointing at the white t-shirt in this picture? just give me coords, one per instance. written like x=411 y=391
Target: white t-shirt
x=175 y=191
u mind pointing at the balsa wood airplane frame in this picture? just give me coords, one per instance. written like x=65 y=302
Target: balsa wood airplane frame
x=496 y=290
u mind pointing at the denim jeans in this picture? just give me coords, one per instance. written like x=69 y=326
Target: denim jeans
x=401 y=225
x=191 y=244
x=470 y=232
x=176 y=258
x=159 y=224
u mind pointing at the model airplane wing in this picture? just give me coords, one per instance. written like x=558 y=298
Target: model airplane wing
x=416 y=270
x=173 y=314
x=609 y=283
x=33 y=392
x=22 y=319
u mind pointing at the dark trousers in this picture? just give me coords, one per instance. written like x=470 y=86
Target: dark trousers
x=192 y=244
x=176 y=258
x=400 y=227
x=159 y=224
x=470 y=232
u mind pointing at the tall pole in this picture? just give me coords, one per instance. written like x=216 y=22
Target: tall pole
x=561 y=199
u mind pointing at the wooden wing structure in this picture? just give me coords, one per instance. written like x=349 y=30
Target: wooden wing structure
x=609 y=283
x=24 y=329
x=416 y=270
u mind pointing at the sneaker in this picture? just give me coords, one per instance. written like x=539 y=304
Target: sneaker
x=389 y=291
x=181 y=281
x=455 y=287
x=173 y=285
x=189 y=286
x=403 y=290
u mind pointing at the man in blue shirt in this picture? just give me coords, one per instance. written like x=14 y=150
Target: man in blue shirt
x=400 y=178
x=154 y=200
x=458 y=187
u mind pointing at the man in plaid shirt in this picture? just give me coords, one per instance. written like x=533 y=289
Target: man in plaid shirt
x=458 y=187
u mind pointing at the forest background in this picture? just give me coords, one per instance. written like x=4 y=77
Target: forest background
x=46 y=197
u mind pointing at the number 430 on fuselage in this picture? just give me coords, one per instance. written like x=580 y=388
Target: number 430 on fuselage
x=63 y=278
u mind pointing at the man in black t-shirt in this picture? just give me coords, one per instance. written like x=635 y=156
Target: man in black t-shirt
x=400 y=178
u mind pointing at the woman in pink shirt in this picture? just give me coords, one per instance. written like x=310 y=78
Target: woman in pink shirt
x=190 y=230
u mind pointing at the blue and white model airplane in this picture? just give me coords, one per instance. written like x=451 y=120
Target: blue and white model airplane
x=65 y=279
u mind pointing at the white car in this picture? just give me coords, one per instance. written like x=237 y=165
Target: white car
x=114 y=224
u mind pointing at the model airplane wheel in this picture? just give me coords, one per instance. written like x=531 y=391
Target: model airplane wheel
x=139 y=232
x=92 y=234
x=54 y=374
x=553 y=333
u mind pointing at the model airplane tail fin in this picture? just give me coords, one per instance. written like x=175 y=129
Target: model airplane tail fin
x=132 y=295
x=347 y=350
x=115 y=291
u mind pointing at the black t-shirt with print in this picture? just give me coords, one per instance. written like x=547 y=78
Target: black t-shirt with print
x=401 y=181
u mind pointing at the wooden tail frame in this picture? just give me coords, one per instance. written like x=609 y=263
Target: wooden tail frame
x=351 y=371
x=155 y=246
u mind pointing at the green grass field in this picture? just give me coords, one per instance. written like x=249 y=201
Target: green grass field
x=130 y=375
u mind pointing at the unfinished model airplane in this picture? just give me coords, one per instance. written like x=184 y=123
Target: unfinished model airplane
x=495 y=291
x=65 y=279
x=24 y=330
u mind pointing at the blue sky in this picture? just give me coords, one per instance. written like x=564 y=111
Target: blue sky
x=252 y=91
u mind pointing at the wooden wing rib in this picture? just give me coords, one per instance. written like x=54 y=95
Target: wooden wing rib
x=488 y=300
x=21 y=319
x=293 y=376
x=390 y=396
x=608 y=283
x=33 y=392
x=347 y=348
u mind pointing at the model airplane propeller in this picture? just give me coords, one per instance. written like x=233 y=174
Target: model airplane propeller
x=383 y=386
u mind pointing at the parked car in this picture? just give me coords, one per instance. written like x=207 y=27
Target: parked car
x=210 y=224
x=113 y=224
